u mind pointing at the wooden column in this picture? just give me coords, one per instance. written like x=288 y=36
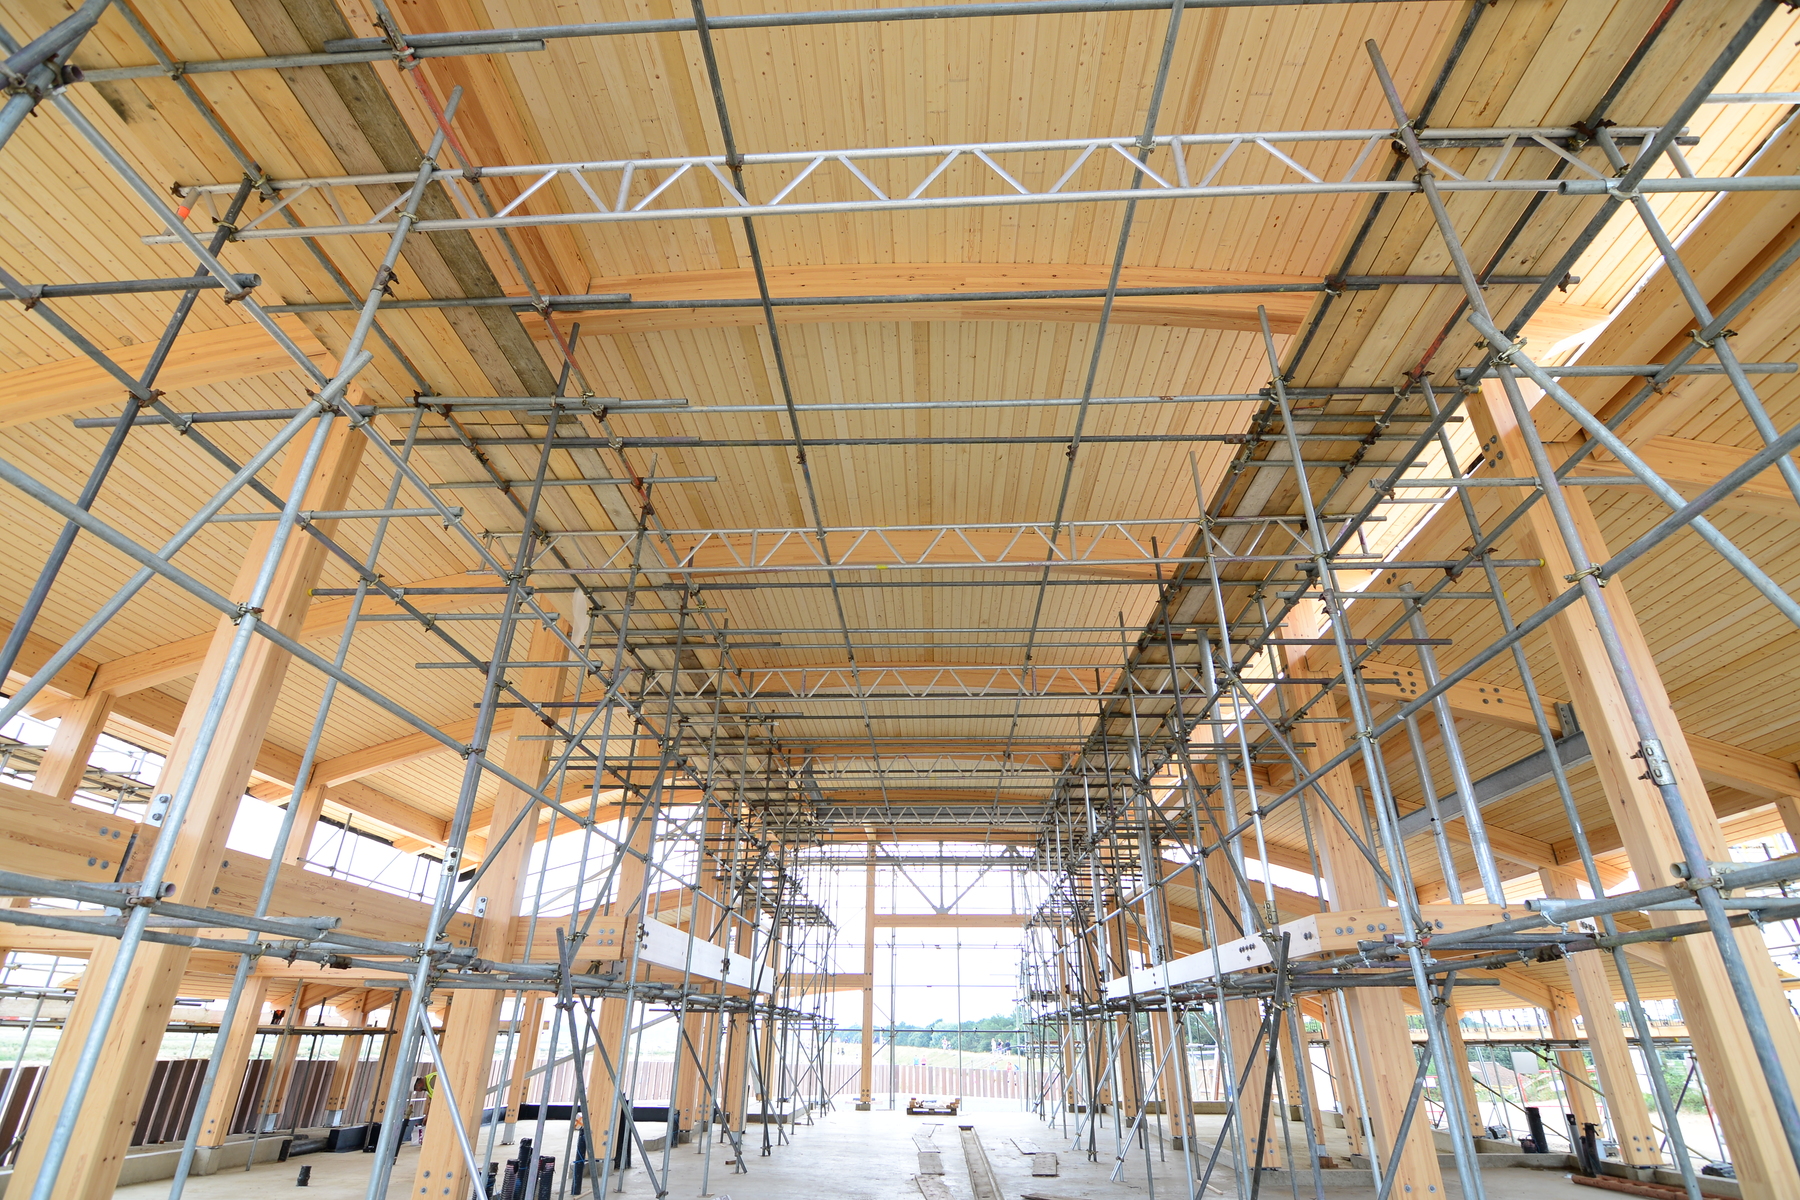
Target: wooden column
x=531 y=1024
x=240 y=1039
x=1243 y=1021
x=1734 y=1081
x=1458 y=1068
x=387 y=1062
x=306 y=823
x=279 y=1079
x=692 y=1055
x=700 y=1065
x=1128 y=1070
x=91 y=1167
x=741 y=1031
x=1168 y=1054
x=281 y=1068
x=1572 y=1064
x=473 y=1022
x=1098 y=1041
x=614 y=1010
x=1343 y=1078
x=763 y=1078
x=1066 y=974
x=1316 y=1079
x=1789 y=808
x=343 y=1076
x=1290 y=1073
x=1638 y=1140
x=1287 y=1101
x=866 y=1094
x=737 y=1071
x=766 y=1084
x=66 y=758
x=1377 y=1015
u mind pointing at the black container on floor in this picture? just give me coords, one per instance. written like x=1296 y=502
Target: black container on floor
x=1584 y=1149
x=581 y=1162
x=1590 y=1147
x=622 y=1148
x=1534 y=1144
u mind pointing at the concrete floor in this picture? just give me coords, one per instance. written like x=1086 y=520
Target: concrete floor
x=849 y=1155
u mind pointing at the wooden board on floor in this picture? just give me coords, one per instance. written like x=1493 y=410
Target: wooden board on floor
x=933 y=1188
x=981 y=1173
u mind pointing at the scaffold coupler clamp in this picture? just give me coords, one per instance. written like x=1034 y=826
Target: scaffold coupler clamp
x=137 y=898
x=404 y=56
x=1598 y=573
x=1715 y=870
x=338 y=405
x=61 y=76
x=1700 y=338
x=230 y=232
x=1699 y=883
x=1585 y=133
x=1503 y=355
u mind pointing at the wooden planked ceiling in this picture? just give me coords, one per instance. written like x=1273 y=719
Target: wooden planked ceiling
x=911 y=83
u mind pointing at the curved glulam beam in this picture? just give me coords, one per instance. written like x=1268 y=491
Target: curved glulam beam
x=1230 y=312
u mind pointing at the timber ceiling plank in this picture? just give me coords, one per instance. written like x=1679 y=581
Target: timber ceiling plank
x=369 y=134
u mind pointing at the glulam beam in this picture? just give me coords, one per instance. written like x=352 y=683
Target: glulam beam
x=1721 y=1041
x=199 y=358
x=129 y=1051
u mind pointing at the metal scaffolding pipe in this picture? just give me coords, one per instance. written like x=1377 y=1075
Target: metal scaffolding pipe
x=127 y=287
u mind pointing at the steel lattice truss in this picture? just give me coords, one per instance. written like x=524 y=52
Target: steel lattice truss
x=1172 y=167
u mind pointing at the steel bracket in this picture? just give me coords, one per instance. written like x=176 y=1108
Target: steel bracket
x=1656 y=759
